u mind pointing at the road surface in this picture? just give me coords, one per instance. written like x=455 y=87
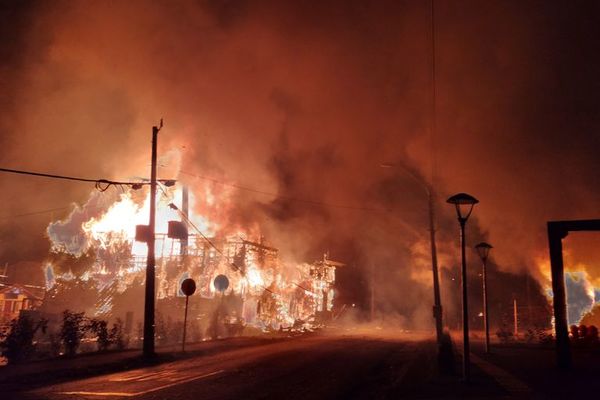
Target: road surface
x=333 y=366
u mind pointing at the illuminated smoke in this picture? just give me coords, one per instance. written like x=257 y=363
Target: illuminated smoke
x=580 y=296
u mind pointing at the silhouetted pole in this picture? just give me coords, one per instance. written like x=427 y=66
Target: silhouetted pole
x=561 y=327
x=461 y=200
x=486 y=315
x=483 y=249
x=465 y=305
x=188 y=287
x=187 y=298
x=148 y=347
x=437 y=302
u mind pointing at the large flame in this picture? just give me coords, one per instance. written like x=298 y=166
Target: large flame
x=581 y=286
x=124 y=215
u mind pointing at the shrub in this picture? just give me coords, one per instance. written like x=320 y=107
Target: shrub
x=574 y=330
x=18 y=344
x=593 y=334
x=72 y=331
x=100 y=329
x=117 y=335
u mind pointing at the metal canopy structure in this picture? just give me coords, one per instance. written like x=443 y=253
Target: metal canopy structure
x=558 y=230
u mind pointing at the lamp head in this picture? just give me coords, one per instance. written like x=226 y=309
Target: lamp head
x=483 y=249
x=464 y=204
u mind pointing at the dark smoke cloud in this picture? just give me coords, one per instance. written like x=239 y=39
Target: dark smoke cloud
x=306 y=100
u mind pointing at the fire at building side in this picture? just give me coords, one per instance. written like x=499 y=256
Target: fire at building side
x=98 y=265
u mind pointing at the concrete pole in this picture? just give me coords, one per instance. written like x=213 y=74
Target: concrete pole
x=465 y=306
x=486 y=319
x=148 y=346
x=437 y=302
x=187 y=298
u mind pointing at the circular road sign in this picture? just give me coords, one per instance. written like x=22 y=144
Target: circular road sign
x=188 y=286
x=221 y=283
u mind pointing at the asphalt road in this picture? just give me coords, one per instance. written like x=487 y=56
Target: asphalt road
x=334 y=366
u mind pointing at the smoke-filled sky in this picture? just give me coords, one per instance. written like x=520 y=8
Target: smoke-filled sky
x=306 y=100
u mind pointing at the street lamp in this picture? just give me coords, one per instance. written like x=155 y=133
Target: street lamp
x=464 y=204
x=483 y=249
x=437 y=302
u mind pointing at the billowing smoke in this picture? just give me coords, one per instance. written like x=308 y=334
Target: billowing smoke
x=301 y=103
x=580 y=294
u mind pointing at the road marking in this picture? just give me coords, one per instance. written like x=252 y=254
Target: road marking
x=154 y=389
x=158 y=376
x=137 y=376
x=509 y=382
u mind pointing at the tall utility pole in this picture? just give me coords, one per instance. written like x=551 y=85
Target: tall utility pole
x=483 y=250
x=465 y=306
x=486 y=313
x=148 y=348
x=437 y=303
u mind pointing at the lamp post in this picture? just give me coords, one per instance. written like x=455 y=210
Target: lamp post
x=464 y=204
x=483 y=249
x=437 y=303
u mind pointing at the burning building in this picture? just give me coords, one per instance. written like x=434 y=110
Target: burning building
x=20 y=291
x=107 y=248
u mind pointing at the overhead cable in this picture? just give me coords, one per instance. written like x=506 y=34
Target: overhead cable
x=100 y=184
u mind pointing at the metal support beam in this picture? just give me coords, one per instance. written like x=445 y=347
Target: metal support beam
x=558 y=230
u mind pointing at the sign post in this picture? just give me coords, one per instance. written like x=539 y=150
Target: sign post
x=221 y=283
x=188 y=287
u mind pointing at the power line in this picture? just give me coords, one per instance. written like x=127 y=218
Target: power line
x=283 y=197
x=100 y=184
x=69 y=207
x=35 y=212
x=72 y=178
